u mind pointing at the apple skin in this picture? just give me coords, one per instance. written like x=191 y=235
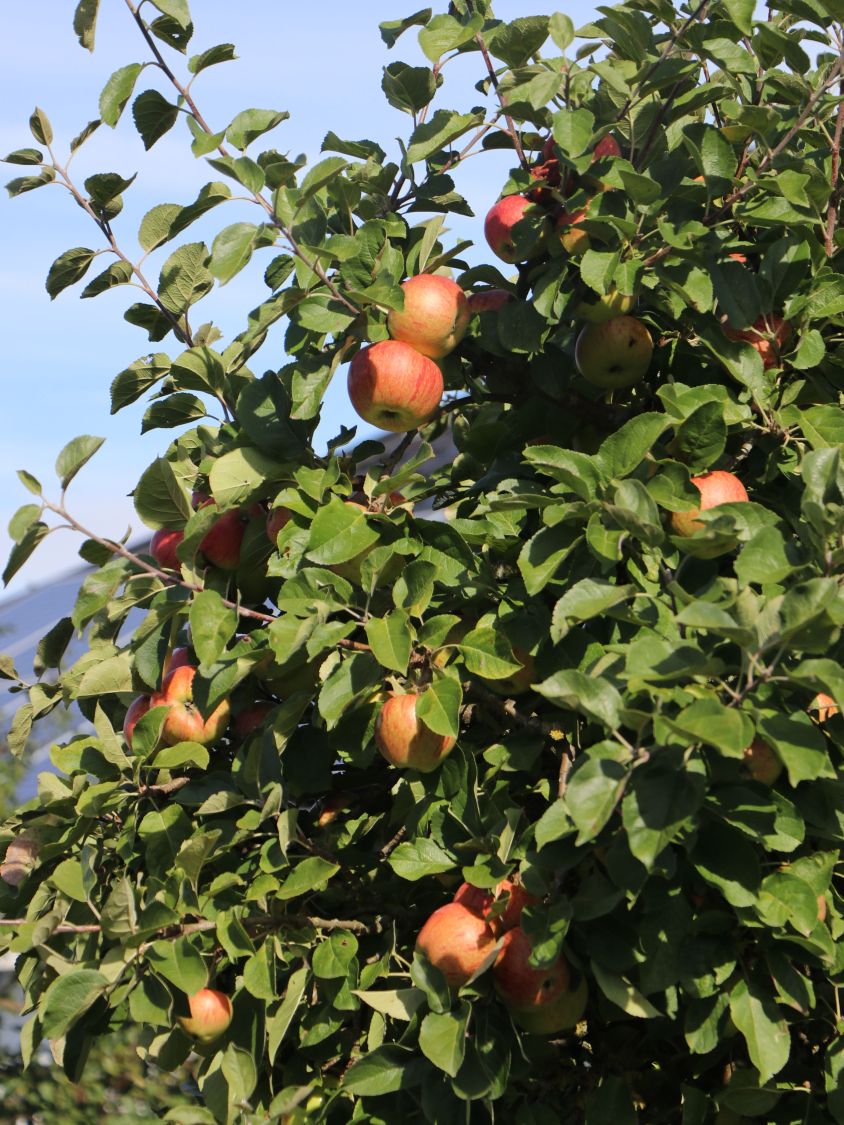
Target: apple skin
x=277 y=518
x=481 y=902
x=540 y=1000
x=435 y=317
x=405 y=741
x=184 y=723
x=210 y=1015
x=606 y=148
x=572 y=240
x=824 y=706
x=615 y=354
x=767 y=335
x=177 y=659
x=605 y=307
x=498 y=228
x=488 y=300
x=394 y=387
x=163 y=546
x=715 y=488
x=135 y=711
x=457 y=942
x=221 y=546
x=251 y=718
x=519 y=682
x=761 y=762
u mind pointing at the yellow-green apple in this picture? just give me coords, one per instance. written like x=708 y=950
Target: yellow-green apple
x=768 y=336
x=824 y=706
x=822 y=908
x=541 y=1001
x=715 y=488
x=501 y=909
x=761 y=762
x=250 y=718
x=221 y=546
x=394 y=387
x=435 y=315
x=517 y=683
x=184 y=722
x=615 y=354
x=457 y=942
x=277 y=518
x=163 y=546
x=135 y=711
x=403 y=738
x=573 y=239
x=499 y=224
x=488 y=300
x=599 y=308
x=210 y=1015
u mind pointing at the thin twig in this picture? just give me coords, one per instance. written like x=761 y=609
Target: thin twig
x=832 y=209
x=511 y=127
x=264 y=921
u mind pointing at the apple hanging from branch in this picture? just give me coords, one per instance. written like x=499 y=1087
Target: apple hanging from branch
x=614 y=354
x=403 y=738
x=715 y=488
x=184 y=722
x=435 y=317
x=394 y=387
x=457 y=942
x=541 y=1001
x=210 y=1015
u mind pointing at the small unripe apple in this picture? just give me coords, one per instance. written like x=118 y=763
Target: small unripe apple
x=135 y=711
x=499 y=224
x=483 y=903
x=572 y=239
x=615 y=354
x=163 y=546
x=403 y=738
x=394 y=387
x=715 y=488
x=210 y=1015
x=457 y=942
x=488 y=300
x=767 y=335
x=824 y=706
x=605 y=306
x=761 y=762
x=277 y=518
x=540 y=1000
x=184 y=723
x=435 y=316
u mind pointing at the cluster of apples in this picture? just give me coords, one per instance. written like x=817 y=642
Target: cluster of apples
x=183 y=721
x=614 y=349
x=220 y=546
x=396 y=383
x=478 y=929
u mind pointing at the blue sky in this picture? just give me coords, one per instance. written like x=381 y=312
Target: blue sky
x=321 y=62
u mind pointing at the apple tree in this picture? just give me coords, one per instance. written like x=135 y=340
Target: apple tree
x=492 y=770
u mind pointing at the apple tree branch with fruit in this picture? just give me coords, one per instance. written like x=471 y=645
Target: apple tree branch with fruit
x=504 y=784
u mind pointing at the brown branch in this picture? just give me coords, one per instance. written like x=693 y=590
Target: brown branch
x=263 y=921
x=392 y=844
x=165 y=789
x=508 y=709
x=493 y=77
x=832 y=209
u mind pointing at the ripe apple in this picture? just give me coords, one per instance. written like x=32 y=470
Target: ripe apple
x=210 y=1015
x=548 y=170
x=135 y=711
x=394 y=387
x=435 y=315
x=457 y=942
x=221 y=546
x=822 y=908
x=767 y=335
x=484 y=903
x=715 y=488
x=277 y=518
x=488 y=300
x=599 y=308
x=403 y=738
x=615 y=354
x=518 y=682
x=606 y=148
x=824 y=706
x=540 y=1000
x=332 y=806
x=177 y=659
x=184 y=723
x=761 y=762
x=499 y=224
x=21 y=856
x=251 y=718
x=573 y=240
x=163 y=546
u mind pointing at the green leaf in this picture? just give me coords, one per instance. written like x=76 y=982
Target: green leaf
x=333 y=956
x=154 y=116
x=799 y=744
x=137 y=378
x=757 y=1017
x=487 y=652
x=278 y=1024
x=180 y=962
x=398 y=1003
x=391 y=639
x=444 y=127
x=383 y=1071
x=408 y=88
x=21 y=551
x=708 y=720
x=517 y=41
x=185 y=278
x=624 y=451
x=741 y=13
x=442 y=1038
x=165 y=221
x=312 y=874
x=259 y=973
x=232 y=249
x=117 y=92
x=392 y=29
x=438 y=706
x=118 y=273
x=212 y=625
x=30 y=156
x=67 y=269
x=623 y=994
x=250 y=124
x=586 y=599
x=68 y=877
x=85 y=22
x=339 y=532
x=594 y=697
x=561 y=30
x=74 y=455
x=573 y=130
x=174 y=410
x=594 y=791
x=445 y=33
x=40 y=127
x=176 y=9
x=68 y=998
x=160 y=498
x=223 y=52
x=419 y=859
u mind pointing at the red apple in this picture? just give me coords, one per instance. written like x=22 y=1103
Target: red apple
x=184 y=723
x=715 y=488
x=251 y=718
x=332 y=806
x=573 y=240
x=824 y=706
x=488 y=300
x=457 y=942
x=615 y=354
x=221 y=545
x=135 y=711
x=277 y=518
x=499 y=224
x=177 y=659
x=761 y=762
x=403 y=738
x=163 y=546
x=435 y=315
x=210 y=1015
x=767 y=335
x=606 y=147
x=487 y=904
x=394 y=387
x=540 y=1000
